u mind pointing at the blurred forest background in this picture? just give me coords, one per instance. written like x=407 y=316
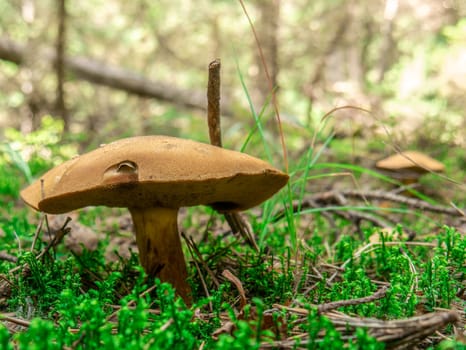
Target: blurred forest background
x=117 y=68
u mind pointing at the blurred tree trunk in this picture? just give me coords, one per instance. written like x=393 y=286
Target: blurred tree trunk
x=387 y=51
x=321 y=65
x=34 y=69
x=60 y=105
x=333 y=45
x=267 y=32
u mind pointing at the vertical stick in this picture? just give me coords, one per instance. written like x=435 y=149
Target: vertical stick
x=235 y=220
x=213 y=103
x=60 y=65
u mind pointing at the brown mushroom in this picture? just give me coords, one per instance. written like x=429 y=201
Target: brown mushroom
x=154 y=176
x=408 y=166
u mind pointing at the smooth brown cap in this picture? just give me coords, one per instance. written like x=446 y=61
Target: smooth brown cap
x=156 y=171
x=410 y=161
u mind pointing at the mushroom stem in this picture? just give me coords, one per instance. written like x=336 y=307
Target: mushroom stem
x=159 y=247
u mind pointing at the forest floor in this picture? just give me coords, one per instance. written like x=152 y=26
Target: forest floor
x=336 y=265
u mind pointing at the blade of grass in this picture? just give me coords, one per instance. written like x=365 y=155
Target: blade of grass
x=268 y=207
x=269 y=80
x=254 y=114
x=18 y=161
x=309 y=163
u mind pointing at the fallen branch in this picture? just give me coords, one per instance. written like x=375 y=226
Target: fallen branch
x=8 y=257
x=324 y=200
x=381 y=195
x=104 y=74
x=322 y=308
x=396 y=334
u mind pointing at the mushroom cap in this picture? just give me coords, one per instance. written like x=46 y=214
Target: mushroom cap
x=410 y=161
x=156 y=171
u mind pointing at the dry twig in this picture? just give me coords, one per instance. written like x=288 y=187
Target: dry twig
x=396 y=334
x=382 y=195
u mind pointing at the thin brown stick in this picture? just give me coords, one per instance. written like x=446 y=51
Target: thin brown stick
x=321 y=308
x=382 y=195
x=236 y=221
x=191 y=246
x=332 y=196
x=16 y=320
x=379 y=294
x=38 y=230
x=239 y=286
x=53 y=243
x=60 y=64
x=59 y=235
x=213 y=103
x=195 y=252
x=8 y=257
x=130 y=303
x=6 y=286
x=239 y=224
x=396 y=334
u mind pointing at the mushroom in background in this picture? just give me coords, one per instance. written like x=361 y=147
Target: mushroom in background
x=153 y=176
x=409 y=166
